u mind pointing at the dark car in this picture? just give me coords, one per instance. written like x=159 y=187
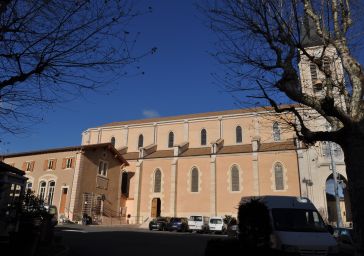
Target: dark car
x=178 y=224
x=159 y=223
x=344 y=238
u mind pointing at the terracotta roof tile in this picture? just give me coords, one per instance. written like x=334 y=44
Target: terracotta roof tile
x=246 y=148
x=160 y=154
x=196 y=152
x=131 y=156
x=275 y=146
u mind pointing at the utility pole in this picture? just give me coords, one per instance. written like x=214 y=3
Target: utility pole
x=336 y=190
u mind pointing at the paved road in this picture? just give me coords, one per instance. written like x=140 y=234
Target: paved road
x=109 y=241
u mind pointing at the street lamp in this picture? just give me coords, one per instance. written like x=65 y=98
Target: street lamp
x=336 y=188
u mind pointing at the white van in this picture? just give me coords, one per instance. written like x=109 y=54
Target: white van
x=217 y=225
x=198 y=223
x=297 y=226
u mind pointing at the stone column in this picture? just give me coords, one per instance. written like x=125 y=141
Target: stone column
x=75 y=194
x=173 y=193
x=213 y=209
x=255 y=144
x=137 y=190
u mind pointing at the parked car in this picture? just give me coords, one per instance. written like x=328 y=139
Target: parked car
x=159 y=223
x=344 y=238
x=198 y=223
x=177 y=224
x=217 y=225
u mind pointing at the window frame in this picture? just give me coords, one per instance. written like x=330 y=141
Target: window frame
x=102 y=168
x=277 y=185
x=238 y=134
x=203 y=136
x=170 y=139
x=195 y=179
x=69 y=162
x=140 y=141
x=157 y=188
x=276 y=131
x=232 y=176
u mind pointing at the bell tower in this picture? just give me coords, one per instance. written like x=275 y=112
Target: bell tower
x=321 y=70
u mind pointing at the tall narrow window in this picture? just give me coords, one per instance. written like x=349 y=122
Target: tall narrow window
x=326 y=64
x=194 y=180
x=278 y=176
x=103 y=166
x=157 y=181
x=276 y=132
x=140 y=141
x=313 y=70
x=239 y=135
x=170 y=140
x=29 y=186
x=124 y=184
x=203 y=137
x=235 y=181
x=112 y=141
x=42 y=189
x=51 y=186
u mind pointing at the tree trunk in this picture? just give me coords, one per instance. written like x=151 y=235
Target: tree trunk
x=353 y=148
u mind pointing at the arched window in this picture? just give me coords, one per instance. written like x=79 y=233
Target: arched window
x=203 y=137
x=276 y=132
x=51 y=186
x=29 y=186
x=235 y=181
x=239 y=135
x=157 y=181
x=170 y=139
x=194 y=180
x=124 y=184
x=278 y=176
x=140 y=141
x=42 y=189
x=112 y=141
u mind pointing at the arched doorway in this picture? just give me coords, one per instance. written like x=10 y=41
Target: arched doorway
x=343 y=193
x=156 y=207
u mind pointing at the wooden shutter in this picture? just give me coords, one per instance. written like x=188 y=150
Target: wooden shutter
x=24 y=166
x=32 y=165
x=64 y=163
x=72 y=162
x=45 y=165
x=54 y=164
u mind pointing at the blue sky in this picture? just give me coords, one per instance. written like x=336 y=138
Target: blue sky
x=177 y=80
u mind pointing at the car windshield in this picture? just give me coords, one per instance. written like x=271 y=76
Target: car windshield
x=176 y=220
x=196 y=218
x=299 y=220
x=215 y=221
x=161 y=219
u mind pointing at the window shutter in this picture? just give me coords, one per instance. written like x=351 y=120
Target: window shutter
x=54 y=164
x=45 y=166
x=32 y=166
x=72 y=162
x=24 y=166
x=64 y=163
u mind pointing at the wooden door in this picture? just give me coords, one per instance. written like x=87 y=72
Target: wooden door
x=154 y=207
x=62 y=204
